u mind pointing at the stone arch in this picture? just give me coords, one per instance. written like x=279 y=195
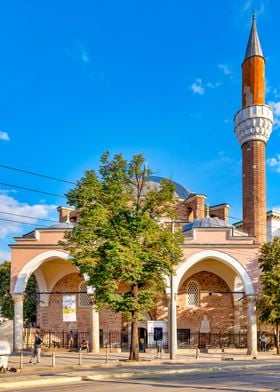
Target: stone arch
x=33 y=265
x=213 y=254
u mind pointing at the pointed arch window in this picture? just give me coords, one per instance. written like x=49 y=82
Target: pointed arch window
x=192 y=293
x=84 y=298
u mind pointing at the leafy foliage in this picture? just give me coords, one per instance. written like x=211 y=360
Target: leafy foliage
x=269 y=302
x=6 y=300
x=119 y=241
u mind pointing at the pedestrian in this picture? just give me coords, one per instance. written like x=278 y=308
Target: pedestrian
x=84 y=345
x=36 y=355
x=5 y=351
x=71 y=340
x=142 y=344
x=262 y=340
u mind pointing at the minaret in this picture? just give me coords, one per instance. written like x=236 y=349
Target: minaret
x=253 y=125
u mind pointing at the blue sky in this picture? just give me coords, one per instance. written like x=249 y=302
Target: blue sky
x=162 y=78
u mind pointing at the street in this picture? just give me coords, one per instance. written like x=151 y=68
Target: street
x=241 y=380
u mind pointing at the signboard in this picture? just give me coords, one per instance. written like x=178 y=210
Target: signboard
x=69 y=308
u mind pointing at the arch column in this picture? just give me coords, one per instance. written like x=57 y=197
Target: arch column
x=172 y=319
x=18 y=321
x=94 y=344
x=252 y=342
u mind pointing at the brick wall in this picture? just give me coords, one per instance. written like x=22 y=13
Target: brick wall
x=254 y=189
x=218 y=307
x=51 y=318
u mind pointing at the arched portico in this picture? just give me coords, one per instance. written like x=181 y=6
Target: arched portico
x=239 y=279
x=33 y=265
x=49 y=267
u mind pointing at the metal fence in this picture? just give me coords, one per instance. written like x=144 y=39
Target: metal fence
x=60 y=339
x=213 y=340
x=121 y=339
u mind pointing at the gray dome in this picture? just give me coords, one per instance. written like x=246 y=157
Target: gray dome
x=206 y=223
x=62 y=225
x=180 y=191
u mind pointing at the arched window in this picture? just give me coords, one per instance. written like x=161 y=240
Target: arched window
x=84 y=298
x=192 y=293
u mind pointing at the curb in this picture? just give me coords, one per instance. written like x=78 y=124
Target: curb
x=45 y=382
x=51 y=380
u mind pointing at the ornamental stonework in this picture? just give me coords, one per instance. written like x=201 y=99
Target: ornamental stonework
x=253 y=123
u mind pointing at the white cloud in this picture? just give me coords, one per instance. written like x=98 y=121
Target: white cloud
x=276 y=110
x=247 y=5
x=225 y=69
x=197 y=87
x=84 y=56
x=4 y=136
x=82 y=53
x=259 y=6
x=213 y=85
x=274 y=162
x=276 y=208
x=4 y=256
x=10 y=205
x=79 y=53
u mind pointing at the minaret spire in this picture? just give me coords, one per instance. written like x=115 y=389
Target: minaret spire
x=254 y=46
x=253 y=125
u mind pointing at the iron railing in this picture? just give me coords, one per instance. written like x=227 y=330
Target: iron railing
x=59 y=339
x=121 y=339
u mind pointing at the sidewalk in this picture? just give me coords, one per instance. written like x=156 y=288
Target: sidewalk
x=71 y=367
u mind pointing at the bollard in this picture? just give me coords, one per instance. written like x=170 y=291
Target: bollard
x=21 y=360
x=80 y=358
x=106 y=361
x=53 y=359
x=196 y=353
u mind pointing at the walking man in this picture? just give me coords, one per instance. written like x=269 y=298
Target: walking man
x=36 y=355
x=263 y=342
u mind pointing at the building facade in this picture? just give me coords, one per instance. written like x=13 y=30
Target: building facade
x=214 y=287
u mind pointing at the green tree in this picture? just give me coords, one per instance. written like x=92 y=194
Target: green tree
x=119 y=239
x=269 y=302
x=6 y=300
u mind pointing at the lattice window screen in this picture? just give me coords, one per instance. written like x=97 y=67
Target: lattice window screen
x=192 y=293
x=84 y=298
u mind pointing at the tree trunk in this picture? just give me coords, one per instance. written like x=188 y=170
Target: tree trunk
x=277 y=339
x=134 y=347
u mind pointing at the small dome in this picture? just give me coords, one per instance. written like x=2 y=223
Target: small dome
x=62 y=225
x=206 y=223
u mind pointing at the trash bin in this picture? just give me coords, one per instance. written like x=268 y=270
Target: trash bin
x=5 y=351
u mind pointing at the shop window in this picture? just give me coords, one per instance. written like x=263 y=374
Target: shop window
x=192 y=293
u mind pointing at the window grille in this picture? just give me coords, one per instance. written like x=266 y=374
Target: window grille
x=84 y=298
x=192 y=293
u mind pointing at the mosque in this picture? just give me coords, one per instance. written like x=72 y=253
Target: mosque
x=212 y=295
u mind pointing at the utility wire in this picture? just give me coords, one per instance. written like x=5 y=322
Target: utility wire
x=37 y=174
x=23 y=223
x=64 y=197
x=61 y=180
x=32 y=190
x=29 y=217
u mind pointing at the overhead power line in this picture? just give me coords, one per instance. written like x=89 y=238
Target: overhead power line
x=60 y=180
x=20 y=222
x=37 y=174
x=29 y=217
x=32 y=190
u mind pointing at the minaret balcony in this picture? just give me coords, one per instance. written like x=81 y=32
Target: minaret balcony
x=253 y=123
